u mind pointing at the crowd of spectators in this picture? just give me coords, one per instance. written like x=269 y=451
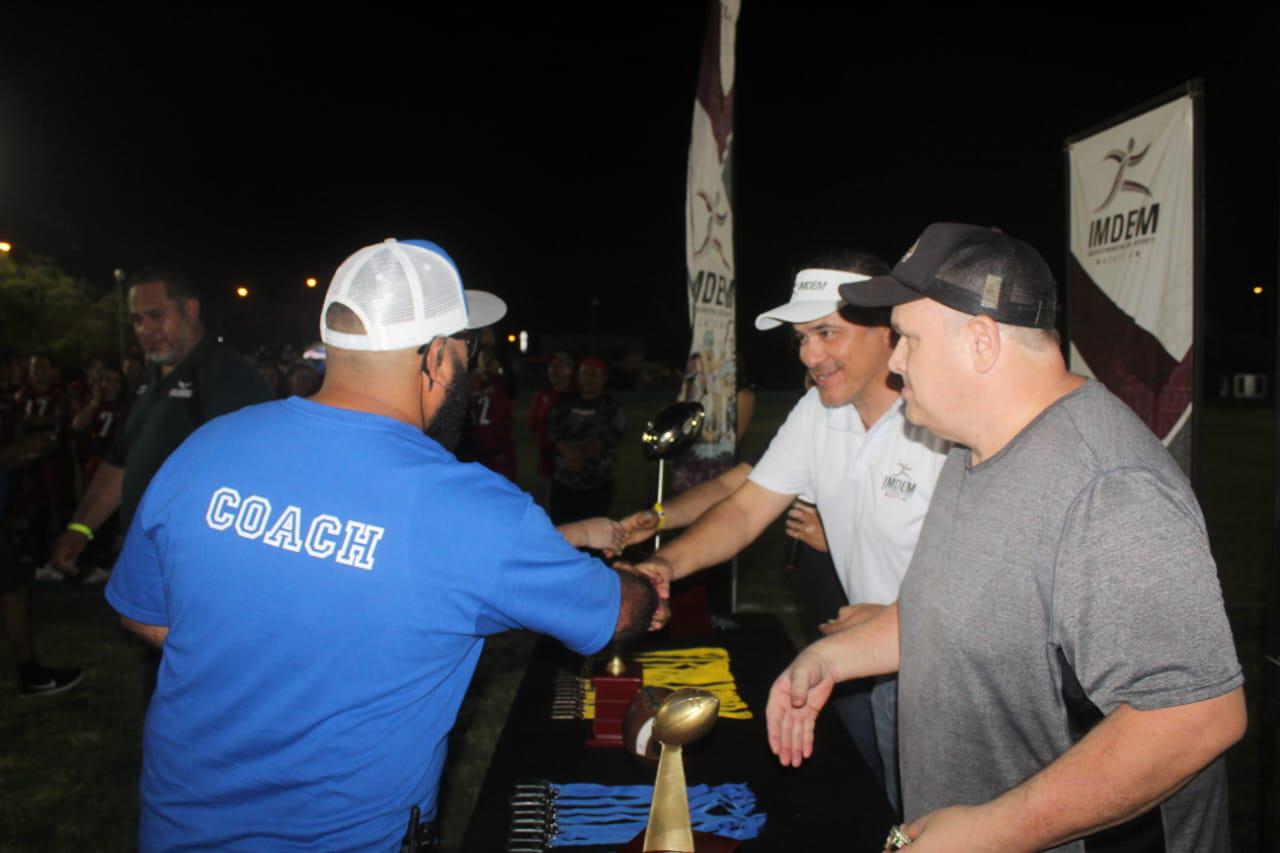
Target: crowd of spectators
x=58 y=424
x=575 y=424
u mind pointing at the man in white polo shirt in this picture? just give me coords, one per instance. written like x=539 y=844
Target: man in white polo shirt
x=847 y=444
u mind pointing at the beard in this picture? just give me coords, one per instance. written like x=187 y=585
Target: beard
x=175 y=349
x=446 y=426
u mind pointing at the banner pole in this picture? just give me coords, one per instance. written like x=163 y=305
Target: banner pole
x=1195 y=88
x=1271 y=656
x=1064 y=318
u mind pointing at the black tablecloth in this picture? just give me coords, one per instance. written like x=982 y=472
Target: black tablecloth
x=831 y=801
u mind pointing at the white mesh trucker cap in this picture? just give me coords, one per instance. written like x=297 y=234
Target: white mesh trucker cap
x=405 y=292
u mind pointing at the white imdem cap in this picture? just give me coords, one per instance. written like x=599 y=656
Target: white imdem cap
x=816 y=294
x=405 y=293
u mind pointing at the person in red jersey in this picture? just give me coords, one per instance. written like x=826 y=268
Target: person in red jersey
x=492 y=436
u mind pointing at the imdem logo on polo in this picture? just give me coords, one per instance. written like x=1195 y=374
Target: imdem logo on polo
x=899 y=484
x=351 y=542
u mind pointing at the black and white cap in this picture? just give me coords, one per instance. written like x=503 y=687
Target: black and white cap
x=972 y=269
x=405 y=292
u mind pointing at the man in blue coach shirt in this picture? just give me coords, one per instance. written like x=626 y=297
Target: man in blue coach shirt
x=321 y=574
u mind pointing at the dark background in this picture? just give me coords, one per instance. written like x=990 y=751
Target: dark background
x=545 y=147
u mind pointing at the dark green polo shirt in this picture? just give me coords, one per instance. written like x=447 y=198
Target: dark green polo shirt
x=212 y=380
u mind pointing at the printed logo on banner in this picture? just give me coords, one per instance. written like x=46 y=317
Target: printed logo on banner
x=1117 y=237
x=1123 y=160
x=710 y=216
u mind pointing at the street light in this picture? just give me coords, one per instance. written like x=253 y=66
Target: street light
x=5 y=247
x=1257 y=290
x=242 y=291
x=311 y=282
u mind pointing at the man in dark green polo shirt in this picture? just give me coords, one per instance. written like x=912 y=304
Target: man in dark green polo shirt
x=189 y=380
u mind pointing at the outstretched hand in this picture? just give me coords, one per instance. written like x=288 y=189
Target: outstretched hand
x=640 y=526
x=795 y=699
x=662 y=614
x=600 y=534
x=659 y=572
x=604 y=534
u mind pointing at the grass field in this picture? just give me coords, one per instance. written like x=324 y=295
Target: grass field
x=68 y=766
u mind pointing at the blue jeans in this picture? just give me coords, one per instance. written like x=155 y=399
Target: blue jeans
x=884 y=712
x=854 y=708
x=870 y=716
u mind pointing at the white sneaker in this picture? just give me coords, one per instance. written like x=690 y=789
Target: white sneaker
x=97 y=576
x=48 y=573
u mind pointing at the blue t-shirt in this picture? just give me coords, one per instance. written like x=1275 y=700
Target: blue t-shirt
x=327 y=577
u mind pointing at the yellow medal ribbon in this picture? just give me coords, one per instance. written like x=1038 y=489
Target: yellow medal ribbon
x=705 y=668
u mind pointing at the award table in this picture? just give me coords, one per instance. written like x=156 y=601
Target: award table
x=831 y=801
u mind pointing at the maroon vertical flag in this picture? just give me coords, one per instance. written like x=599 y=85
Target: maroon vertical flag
x=711 y=371
x=1132 y=268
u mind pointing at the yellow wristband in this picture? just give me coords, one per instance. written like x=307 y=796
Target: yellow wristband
x=662 y=515
x=81 y=528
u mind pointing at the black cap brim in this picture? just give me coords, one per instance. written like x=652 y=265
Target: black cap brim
x=881 y=291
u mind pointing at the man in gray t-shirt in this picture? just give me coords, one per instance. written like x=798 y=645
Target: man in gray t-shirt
x=1068 y=678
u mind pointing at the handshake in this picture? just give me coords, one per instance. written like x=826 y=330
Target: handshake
x=611 y=537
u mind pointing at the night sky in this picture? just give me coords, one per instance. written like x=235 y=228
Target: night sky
x=545 y=147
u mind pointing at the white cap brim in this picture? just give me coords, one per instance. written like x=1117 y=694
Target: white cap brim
x=484 y=309
x=816 y=294
x=797 y=312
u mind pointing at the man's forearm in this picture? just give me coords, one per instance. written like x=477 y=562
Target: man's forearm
x=1130 y=762
x=690 y=505
x=101 y=498
x=868 y=648
x=725 y=530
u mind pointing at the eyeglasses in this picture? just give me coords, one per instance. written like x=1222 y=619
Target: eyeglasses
x=472 y=340
x=469 y=337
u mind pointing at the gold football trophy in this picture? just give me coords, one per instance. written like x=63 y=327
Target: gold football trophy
x=682 y=718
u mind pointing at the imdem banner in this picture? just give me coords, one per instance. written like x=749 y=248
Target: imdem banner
x=1133 y=268
x=711 y=371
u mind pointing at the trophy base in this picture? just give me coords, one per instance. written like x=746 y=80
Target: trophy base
x=703 y=842
x=613 y=694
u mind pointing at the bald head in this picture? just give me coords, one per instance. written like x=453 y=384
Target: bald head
x=345 y=367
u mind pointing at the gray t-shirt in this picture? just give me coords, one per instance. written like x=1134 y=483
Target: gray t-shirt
x=1080 y=535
